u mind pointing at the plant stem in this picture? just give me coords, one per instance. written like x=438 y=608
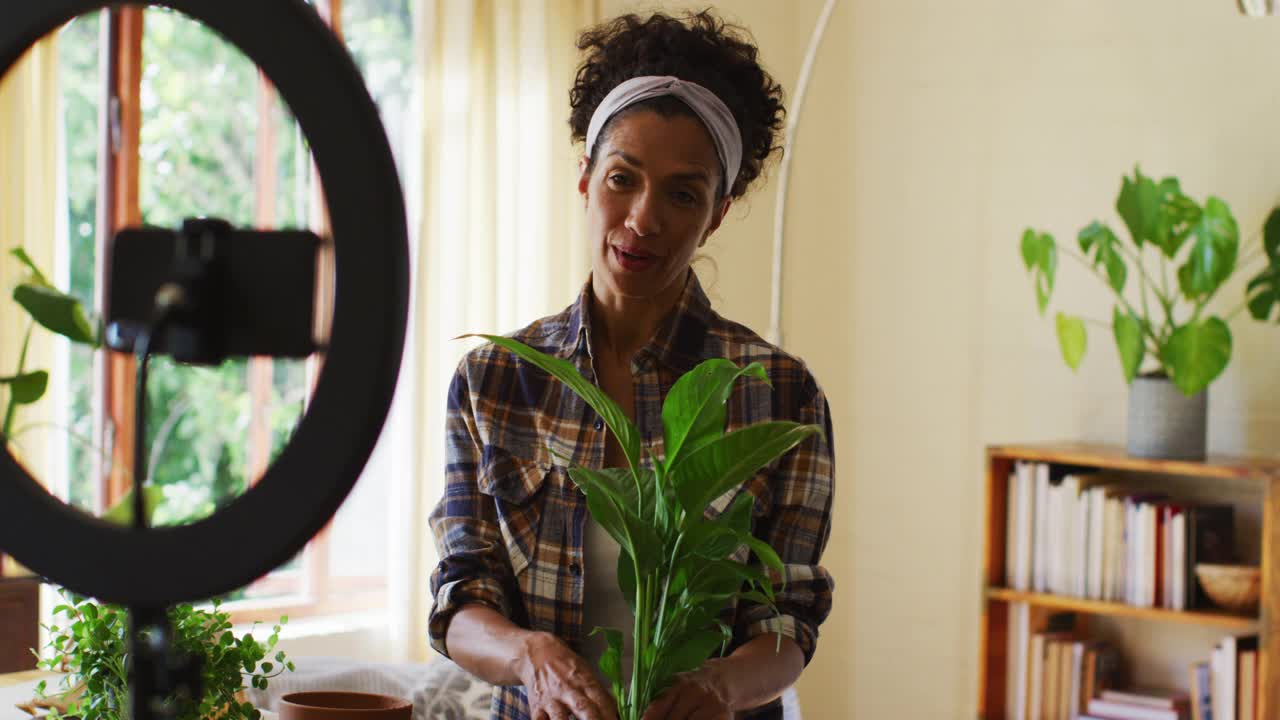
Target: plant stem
x=1146 y=280
x=660 y=629
x=12 y=410
x=1123 y=300
x=637 y=649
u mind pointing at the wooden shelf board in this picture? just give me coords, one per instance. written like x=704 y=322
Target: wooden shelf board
x=1115 y=457
x=1095 y=607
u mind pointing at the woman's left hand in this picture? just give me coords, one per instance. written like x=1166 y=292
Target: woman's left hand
x=698 y=695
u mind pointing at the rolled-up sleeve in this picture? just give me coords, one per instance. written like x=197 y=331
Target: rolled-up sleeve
x=473 y=567
x=798 y=526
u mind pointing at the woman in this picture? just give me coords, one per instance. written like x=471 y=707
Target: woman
x=677 y=119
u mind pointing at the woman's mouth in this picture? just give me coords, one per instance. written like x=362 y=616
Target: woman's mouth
x=634 y=260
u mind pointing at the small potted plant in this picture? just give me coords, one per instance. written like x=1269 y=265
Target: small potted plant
x=1171 y=344
x=677 y=569
x=91 y=648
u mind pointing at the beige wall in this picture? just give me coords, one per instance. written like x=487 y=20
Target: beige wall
x=934 y=132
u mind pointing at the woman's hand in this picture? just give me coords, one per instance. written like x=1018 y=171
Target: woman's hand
x=698 y=695
x=560 y=684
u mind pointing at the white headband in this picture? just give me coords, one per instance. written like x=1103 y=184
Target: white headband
x=704 y=103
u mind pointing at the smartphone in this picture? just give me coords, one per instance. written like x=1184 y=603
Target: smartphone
x=254 y=291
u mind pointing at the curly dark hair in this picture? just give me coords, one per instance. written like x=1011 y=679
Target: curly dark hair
x=699 y=48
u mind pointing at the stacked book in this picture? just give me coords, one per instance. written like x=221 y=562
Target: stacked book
x=1139 y=705
x=1083 y=534
x=1063 y=673
x=1057 y=675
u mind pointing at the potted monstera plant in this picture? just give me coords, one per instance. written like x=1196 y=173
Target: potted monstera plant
x=1171 y=340
x=676 y=569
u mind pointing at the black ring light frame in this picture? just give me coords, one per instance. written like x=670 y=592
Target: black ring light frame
x=304 y=487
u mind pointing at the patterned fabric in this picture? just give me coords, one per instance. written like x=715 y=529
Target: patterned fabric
x=510 y=526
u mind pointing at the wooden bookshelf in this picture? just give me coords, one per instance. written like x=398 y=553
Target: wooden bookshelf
x=1226 y=621
x=994 y=628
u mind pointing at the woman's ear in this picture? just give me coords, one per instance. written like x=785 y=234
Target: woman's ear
x=717 y=217
x=584 y=175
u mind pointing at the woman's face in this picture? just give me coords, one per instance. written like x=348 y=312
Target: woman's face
x=651 y=202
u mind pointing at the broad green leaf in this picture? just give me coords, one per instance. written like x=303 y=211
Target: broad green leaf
x=37 y=277
x=1158 y=213
x=1271 y=236
x=755 y=597
x=611 y=660
x=1099 y=241
x=627 y=579
x=1072 y=339
x=1180 y=214
x=679 y=581
x=635 y=493
x=765 y=552
x=717 y=539
x=623 y=429
x=1040 y=255
x=1139 y=206
x=1213 y=256
x=1128 y=333
x=1196 y=354
x=694 y=410
x=738 y=517
x=27 y=387
x=58 y=312
x=727 y=462
x=723 y=577
x=690 y=652
x=665 y=510
x=609 y=508
x=1264 y=293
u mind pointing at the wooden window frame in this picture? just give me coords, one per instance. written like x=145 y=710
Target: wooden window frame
x=311 y=591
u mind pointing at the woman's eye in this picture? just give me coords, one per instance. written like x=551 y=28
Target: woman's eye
x=619 y=179
x=684 y=198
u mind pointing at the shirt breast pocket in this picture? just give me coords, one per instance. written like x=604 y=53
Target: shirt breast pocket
x=516 y=486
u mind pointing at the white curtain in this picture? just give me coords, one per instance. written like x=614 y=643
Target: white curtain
x=29 y=126
x=497 y=233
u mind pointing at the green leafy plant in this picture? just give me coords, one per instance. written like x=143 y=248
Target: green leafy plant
x=1169 y=325
x=675 y=568
x=92 y=649
x=57 y=312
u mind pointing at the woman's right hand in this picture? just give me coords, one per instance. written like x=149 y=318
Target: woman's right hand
x=560 y=684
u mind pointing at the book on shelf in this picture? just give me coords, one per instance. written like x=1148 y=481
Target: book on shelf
x=1089 y=536
x=1064 y=676
x=1100 y=709
x=1042 y=671
x=1247 y=684
x=1233 y=669
x=1201 y=691
x=1149 y=697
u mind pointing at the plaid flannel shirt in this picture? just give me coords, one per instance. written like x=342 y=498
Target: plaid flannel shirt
x=510 y=527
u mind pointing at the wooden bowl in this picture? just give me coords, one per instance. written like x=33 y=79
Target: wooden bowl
x=343 y=706
x=1234 y=588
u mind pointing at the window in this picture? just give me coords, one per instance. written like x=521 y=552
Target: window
x=196 y=130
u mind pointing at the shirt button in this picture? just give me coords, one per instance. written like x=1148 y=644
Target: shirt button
x=599 y=424
x=575 y=569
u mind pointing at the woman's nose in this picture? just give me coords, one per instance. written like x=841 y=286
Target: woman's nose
x=643 y=219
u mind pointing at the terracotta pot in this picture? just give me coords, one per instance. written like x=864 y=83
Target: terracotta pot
x=343 y=706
